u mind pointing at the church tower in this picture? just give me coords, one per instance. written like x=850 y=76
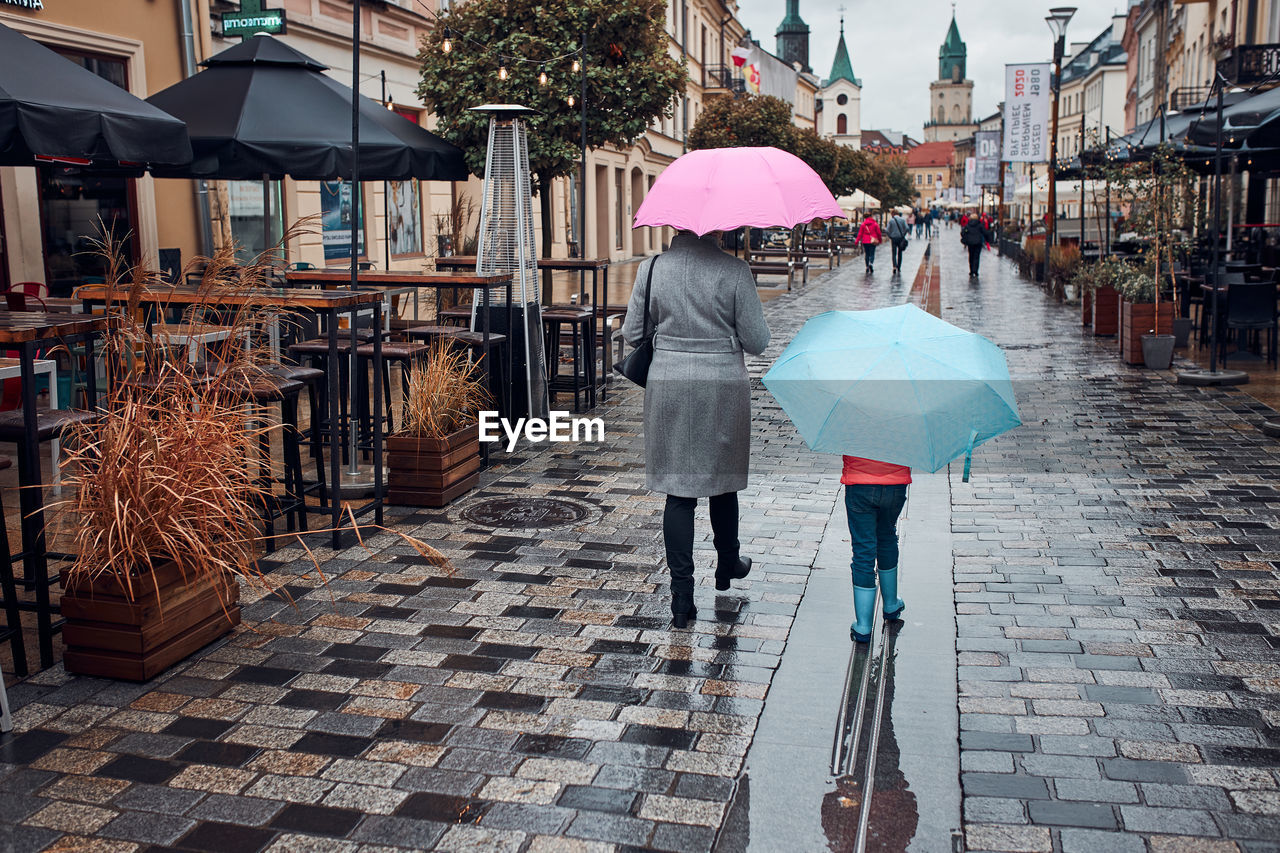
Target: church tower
x=793 y=37
x=841 y=115
x=951 y=95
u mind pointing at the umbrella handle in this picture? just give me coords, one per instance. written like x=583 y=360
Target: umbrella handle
x=968 y=454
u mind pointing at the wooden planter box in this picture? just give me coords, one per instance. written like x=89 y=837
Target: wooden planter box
x=169 y=617
x=432 y=471
x=1086 y=307
x=1106 y=311
x=1138 y=319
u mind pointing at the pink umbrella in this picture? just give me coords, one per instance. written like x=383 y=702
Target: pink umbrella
x=720 y=189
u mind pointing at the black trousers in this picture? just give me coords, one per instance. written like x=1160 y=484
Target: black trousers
x=899 y=246
x=677 y=534
x=975 y=255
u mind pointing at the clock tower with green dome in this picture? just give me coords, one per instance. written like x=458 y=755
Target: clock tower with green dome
x=793 y=38
x=951 y=95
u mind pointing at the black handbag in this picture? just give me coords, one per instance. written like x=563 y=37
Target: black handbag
x=636 y=365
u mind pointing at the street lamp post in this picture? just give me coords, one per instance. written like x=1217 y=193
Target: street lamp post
x=1057 y=19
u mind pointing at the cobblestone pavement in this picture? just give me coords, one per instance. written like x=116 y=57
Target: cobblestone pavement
x=1116 y=568
x=535 y=698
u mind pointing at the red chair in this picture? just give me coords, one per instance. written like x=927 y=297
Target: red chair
x=31 y=288
x=16 y=300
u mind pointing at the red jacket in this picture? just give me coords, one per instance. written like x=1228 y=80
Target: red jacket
x=869 y=472
x=869 y=231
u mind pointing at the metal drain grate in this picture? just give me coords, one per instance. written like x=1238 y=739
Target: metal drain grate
x=525 y=513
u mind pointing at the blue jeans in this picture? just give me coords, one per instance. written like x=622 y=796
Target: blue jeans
x=873 y=526
x=869 y=249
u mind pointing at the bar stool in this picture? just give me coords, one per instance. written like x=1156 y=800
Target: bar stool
x=314 y=380
x=581 y=322
x=401 y=352
x=494 y=359
x=459 y=315
x=49 y=425
x=12 y=630
x=265 y=390
x=315 y=353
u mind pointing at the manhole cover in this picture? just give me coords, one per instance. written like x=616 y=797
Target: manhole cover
x=525 y=513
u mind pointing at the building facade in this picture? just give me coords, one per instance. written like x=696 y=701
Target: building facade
x=951 y=95
x=1092 y=98
x=931 y=166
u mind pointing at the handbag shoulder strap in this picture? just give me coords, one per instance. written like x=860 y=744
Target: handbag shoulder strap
x=648 y=289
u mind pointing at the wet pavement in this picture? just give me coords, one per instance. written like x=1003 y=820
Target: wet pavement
x=1090 y=659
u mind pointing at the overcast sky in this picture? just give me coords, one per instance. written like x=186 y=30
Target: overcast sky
x=893 y=45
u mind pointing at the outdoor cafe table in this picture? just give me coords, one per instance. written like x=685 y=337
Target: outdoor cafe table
x=338 y=277
x=599 y=269
x=26 y=331
x=327 y=304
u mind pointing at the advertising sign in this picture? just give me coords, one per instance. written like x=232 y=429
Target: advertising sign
x=986 y=144
x=253 y=19
x=970 y=173
x=1026 y=112
x=335 y=220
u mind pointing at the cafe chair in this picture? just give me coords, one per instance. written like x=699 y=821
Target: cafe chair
x=265 y=390
x=12 y=629
x=1251 y=309
x=403 y=353
x=50 y=425
x=300 y=266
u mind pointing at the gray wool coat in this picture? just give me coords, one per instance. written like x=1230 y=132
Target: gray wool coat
x=697 y=403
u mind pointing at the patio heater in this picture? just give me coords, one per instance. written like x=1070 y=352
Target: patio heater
x=1214 y=376
x=506 y=245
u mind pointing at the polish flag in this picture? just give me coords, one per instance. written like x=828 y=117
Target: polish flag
x=740 y=55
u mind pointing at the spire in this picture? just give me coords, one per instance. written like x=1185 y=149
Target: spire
x=952 y=54
x=842 y=68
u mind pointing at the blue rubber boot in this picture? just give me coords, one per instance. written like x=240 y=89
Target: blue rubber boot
x=864 y=608
x=893 y=606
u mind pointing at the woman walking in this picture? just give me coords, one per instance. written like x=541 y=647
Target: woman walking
x=869 y=237
x=705 y=312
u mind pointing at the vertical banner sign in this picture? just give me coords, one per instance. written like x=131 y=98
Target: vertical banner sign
x=1026 y=112
x=970 y=175
x=1009 y=187
x=986 y=144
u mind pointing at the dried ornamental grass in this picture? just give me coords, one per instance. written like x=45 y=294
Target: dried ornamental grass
x=169 y=470
x=446 y=393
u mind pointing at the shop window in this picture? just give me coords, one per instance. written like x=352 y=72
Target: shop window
x=256 y=212
x=77 y=208
x=406 y=218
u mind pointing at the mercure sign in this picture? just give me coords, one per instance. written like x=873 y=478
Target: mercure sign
x=253 y=19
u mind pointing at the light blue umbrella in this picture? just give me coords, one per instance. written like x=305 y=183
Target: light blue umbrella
x=895 y=384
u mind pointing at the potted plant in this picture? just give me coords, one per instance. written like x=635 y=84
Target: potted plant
x=1144 y=322
x=1036 y=257
x=1097 y=282
x=1063 y=263
x=166 y=500
x=435 y=455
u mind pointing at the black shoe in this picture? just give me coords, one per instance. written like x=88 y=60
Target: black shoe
x=682 y=611
x=735 y=572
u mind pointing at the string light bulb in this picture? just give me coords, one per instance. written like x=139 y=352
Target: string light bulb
x=502 y=68
x=577 y=66
x=447 y=45
x=542 y=76
x=571 y=101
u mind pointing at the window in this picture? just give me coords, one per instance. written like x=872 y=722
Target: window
x=842 y=124
x=842 y=99
x=76 y=208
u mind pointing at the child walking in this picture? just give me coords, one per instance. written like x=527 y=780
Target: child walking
x=874 y=494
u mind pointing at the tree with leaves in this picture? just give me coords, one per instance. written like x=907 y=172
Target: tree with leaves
x=631 y=79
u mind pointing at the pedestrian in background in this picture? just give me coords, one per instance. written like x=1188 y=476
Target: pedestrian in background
x=869 y=236
x=874 y=495
x=919 y=223
x=704 y=312
x=929 y=216
x=898 y=230
x=974 y=236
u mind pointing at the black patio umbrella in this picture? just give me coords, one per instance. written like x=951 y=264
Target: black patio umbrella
x=1252 y=119
x=52 y=108
x=262 y=110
